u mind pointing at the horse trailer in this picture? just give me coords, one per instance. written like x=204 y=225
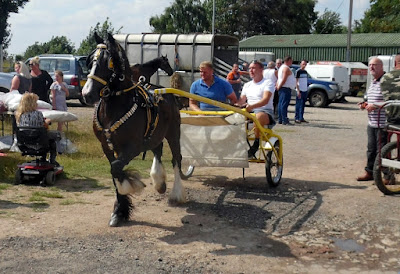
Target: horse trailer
x=185 y=52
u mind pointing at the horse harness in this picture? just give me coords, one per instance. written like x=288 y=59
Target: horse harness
x=142 y=98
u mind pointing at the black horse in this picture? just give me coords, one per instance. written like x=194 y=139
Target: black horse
x=149 y=68
x=124 y=126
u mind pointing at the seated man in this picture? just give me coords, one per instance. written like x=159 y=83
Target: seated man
x=212 y=87
x=27 y=116
x=257 y=96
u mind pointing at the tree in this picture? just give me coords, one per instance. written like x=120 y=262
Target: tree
x=242 y=18
x=329 y=22
x=184 y=16
x=7 y=7
x=383 y=16
x=57 y=45
x=88 y=44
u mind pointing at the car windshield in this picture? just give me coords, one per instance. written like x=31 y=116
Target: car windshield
x=52 y=65
x=83 y=67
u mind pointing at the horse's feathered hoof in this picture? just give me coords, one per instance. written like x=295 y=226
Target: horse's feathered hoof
x=161 y=188
x=130 y=185
x=115 y=220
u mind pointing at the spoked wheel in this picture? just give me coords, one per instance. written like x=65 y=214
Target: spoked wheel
x=50 y=178
x=272 y=168
x=186 y=172
x=387 y=169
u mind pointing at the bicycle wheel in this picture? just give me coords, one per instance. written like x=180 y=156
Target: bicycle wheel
x=387 y=169
x=272 y=168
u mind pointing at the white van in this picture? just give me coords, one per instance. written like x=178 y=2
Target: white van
x=261 y=56
x=388 y=65
x=358 y=73
x=333 y=73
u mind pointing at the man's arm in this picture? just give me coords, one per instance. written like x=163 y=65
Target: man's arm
x=232 y=97
x=193 y=105
x=286 y=72
x=297 y=83
x=266 y=97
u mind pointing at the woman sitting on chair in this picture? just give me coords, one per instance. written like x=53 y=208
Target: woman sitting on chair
x=26 y=115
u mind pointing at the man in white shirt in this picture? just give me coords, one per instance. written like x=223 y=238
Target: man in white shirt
x=257 y=97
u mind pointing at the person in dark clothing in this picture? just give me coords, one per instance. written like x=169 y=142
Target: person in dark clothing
x=41 y=80
x=22 y=80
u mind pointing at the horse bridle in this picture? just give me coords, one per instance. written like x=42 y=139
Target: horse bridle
x=105 y=91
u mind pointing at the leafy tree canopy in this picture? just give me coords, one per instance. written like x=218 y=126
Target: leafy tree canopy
x=329 y=22
x=243 y=18
x=7 y=7
x=184 y=16
x=89 y=44
x=383 y=16
x=58 y=44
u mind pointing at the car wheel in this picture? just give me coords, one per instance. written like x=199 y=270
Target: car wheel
x=82 y=102
x=318 y=98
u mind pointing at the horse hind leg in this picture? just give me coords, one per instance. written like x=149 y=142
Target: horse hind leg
x=157 y=172
x=177 y=195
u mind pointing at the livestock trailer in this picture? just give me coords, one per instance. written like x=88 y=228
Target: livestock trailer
x=185 y=52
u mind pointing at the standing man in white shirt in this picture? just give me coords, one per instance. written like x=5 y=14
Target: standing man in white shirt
x=286 y=82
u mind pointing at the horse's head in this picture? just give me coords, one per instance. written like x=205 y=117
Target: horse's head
x=109 y=70
x=164 y=65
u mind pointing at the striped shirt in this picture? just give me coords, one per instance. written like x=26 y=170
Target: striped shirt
x=374 y=95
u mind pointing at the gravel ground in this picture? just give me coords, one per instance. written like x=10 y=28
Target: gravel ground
x=319 y=219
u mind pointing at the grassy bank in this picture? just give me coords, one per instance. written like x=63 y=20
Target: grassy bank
x=89 y=162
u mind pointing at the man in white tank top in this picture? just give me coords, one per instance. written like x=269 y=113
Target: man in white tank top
x=286 y=82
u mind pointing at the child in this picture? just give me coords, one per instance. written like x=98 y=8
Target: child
x=59 y=92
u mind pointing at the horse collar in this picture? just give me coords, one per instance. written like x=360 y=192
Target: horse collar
x=108 y=131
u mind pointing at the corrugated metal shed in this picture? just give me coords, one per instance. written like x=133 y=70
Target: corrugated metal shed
x=329 y=47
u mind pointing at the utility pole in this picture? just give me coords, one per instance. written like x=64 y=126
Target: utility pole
x=213 y=18
x=349 y=33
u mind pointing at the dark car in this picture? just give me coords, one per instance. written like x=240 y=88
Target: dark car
x=74 y=70
x=320 y=93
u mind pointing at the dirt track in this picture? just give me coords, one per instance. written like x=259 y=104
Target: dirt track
x=318 y=220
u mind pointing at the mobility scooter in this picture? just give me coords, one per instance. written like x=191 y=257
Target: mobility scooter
x=35 y=142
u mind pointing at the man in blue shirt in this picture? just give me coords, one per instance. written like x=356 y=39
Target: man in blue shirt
x=212 y=87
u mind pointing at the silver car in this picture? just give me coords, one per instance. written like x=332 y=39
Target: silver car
x=5 y=81
x=74 y=70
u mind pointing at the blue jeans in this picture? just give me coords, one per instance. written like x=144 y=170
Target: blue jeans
x=300 y=105
x=284 y=100
x=373 y=145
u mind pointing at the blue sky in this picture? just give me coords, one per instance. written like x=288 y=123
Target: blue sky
x=39 y=20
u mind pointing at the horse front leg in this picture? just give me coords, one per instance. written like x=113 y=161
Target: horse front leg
x=125 y=184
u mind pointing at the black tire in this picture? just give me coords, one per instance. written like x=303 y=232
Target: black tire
x=50 y=178
x=318 y=98
x=390 y=152
x=18 y=177
x=82 y=102
x=273 y=170
x=186 y=173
